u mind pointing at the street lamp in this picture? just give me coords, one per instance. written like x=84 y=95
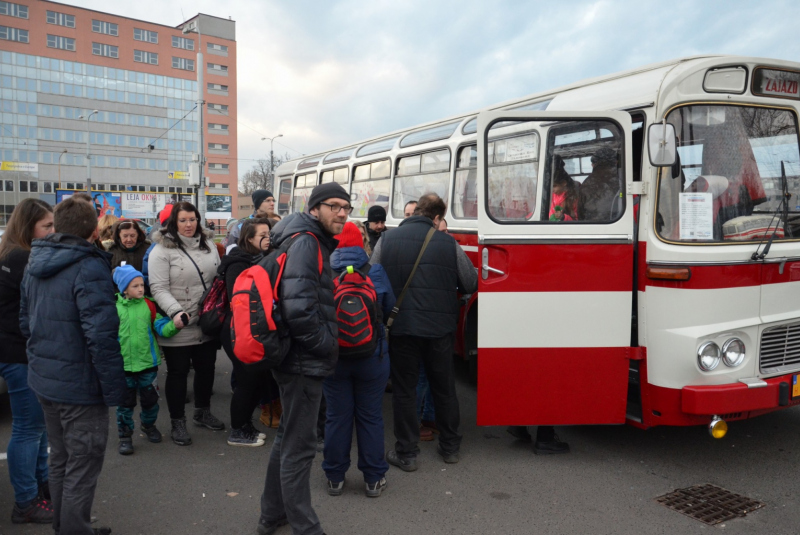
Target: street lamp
x=59 y=167
x=88 y=156
x=271 y=160
x=194 y=27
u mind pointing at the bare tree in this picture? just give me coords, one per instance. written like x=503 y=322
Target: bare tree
x=258 y=177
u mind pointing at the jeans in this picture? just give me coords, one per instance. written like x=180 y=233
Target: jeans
x=202 y=357
x=141 y=382
x=424 y=397
x=287 y=491
x=27 y=449
x=437 y=356
x=78 y=436
x=355 y=391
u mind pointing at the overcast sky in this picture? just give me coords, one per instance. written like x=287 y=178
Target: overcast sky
x=326 y=73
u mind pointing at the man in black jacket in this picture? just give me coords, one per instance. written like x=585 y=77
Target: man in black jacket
x=376 y=224
x=308 y=310
x=425 y=326
x=68 y=314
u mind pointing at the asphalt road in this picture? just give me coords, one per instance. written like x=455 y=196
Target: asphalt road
x=607 y=485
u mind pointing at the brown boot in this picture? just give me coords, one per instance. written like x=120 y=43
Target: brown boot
x=266 y=415
x=277 y=410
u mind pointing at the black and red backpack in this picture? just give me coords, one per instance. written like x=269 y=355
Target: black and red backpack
x=357 y=313
x=259 y=337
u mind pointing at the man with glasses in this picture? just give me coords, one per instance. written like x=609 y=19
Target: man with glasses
x=308 y=311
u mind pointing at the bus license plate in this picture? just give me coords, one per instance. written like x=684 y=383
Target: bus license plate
x=795 y=387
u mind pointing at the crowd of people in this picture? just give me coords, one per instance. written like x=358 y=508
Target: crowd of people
x=87 y=321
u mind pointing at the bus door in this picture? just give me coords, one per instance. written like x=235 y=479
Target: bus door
x=555 y=234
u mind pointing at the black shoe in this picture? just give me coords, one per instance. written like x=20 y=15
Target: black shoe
x=126 y=446
x=449 y=458
x=101 y=531
x=406 y=464
x=204 y=418
x=250 y=428
x=40 y=511
x=268 y=528
x=179 y=434
x=520 y=432
x=244 y=437
x=550 y=448
x=44 y=490
x=152 y=433
x=124 y=431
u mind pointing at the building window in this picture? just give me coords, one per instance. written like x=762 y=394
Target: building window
x=170 y=189
x=108 y=28
x=33 y=186
x=145 y=35
x=112 y=187
x=214 y=46
x=160 y=189
x=218 y=146
x=61 y=19
x=182 y=42
x=64 y=43
x=182 y=63
x=215 y=126
x=13 y=10
x=109 y=51
x=180 y=189
x=145 y=57
x=223 y=89
x=47 y=187
x=23 y=186
x=219 y=108
x=188 y=190
x=13 y=34
x=218 y=166
x=217 y=67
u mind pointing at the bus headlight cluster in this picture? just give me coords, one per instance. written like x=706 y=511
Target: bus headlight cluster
x=709 y=354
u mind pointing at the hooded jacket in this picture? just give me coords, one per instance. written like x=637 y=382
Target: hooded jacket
x=67 y=312
x=357 y=257
x=12 y=268
x=133 y=257
x=306 y=297
x=176 y=285
x=136 y=339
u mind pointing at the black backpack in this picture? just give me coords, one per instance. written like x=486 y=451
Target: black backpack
x=357 y=313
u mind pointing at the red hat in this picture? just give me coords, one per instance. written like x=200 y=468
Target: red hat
x=350 y=236
x=165 y=213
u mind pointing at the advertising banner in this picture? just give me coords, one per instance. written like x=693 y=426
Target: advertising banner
x=218 y=207
x=19 y=166
x=104 y=202
x=178 y=175
x=142 y=205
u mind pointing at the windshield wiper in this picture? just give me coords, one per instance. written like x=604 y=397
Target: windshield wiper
x=783 y=207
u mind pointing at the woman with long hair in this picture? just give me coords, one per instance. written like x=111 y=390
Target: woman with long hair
x=105 y=229
x=248 y=386
x=130 y=244
x=27 y=451
x=181 y=266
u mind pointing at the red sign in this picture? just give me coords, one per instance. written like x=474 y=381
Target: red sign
x=775 y=83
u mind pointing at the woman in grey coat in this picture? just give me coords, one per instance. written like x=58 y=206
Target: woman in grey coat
x=182 y=264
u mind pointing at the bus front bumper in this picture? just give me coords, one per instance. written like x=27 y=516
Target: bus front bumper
x=741 y=397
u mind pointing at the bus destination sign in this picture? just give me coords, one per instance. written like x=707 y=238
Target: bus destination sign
x=776 y=83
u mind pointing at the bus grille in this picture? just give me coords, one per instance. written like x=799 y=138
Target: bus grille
x=780 y=349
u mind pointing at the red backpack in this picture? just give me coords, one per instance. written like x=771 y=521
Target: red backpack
x=357 y=313
x=258 y=336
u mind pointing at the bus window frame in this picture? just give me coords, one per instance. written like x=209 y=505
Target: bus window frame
x=282 y=178
x=333 y=170
x=370 y=162
x=294 y=184
x=396 y=163
x=458 y=149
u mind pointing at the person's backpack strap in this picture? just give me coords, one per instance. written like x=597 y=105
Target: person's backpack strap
x=199 y=274
x=399 y=301
x=152 y=308
x=319 y=248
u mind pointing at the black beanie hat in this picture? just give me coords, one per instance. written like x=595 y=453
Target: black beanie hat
x=329 y=190
x=376 y=213
x=259 y=196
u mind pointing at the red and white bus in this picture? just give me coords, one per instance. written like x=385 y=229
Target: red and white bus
x=637 y=236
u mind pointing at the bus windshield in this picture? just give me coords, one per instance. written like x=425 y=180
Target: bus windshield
x=728 y=181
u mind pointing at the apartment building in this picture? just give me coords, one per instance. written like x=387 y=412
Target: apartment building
x=60 y=63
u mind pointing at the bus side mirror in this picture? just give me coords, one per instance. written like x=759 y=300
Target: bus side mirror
x=662 y=144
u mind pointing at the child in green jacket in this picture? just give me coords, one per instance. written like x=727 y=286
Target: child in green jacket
x=138 y=325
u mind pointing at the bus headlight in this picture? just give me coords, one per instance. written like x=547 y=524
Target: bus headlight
x=708 y=356
x=733 y=352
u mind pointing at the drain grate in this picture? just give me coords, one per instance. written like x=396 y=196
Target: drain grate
x=709 y=504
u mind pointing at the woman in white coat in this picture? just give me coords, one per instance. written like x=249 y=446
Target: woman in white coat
x=182 y=264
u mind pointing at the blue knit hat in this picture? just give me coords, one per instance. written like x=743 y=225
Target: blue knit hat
x=124 y=275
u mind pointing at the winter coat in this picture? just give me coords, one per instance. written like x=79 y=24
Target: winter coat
x=357 y=257
x=597 y=193
x=176 y=285
x=373 y=237
x=12 y=268
x=306 y=297
x=134 y=257
x=146 y=264
x=139 y=347
x=67 y=312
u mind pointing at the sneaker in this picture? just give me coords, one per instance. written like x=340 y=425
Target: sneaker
x=242 y=437
x=268 y=528
x=374 y=489
x=250 y=428
x=126 y=446
x=520 y=432
x=44 y=490
x=152 y=433
x=406 y=464
x=425 y=434
x=335 y=489
x=179 y=434
x=40 y=511
x=449 y=458
x=552 y=447
x=203 y=417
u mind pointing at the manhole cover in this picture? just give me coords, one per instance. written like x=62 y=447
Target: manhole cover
x=709 y=504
